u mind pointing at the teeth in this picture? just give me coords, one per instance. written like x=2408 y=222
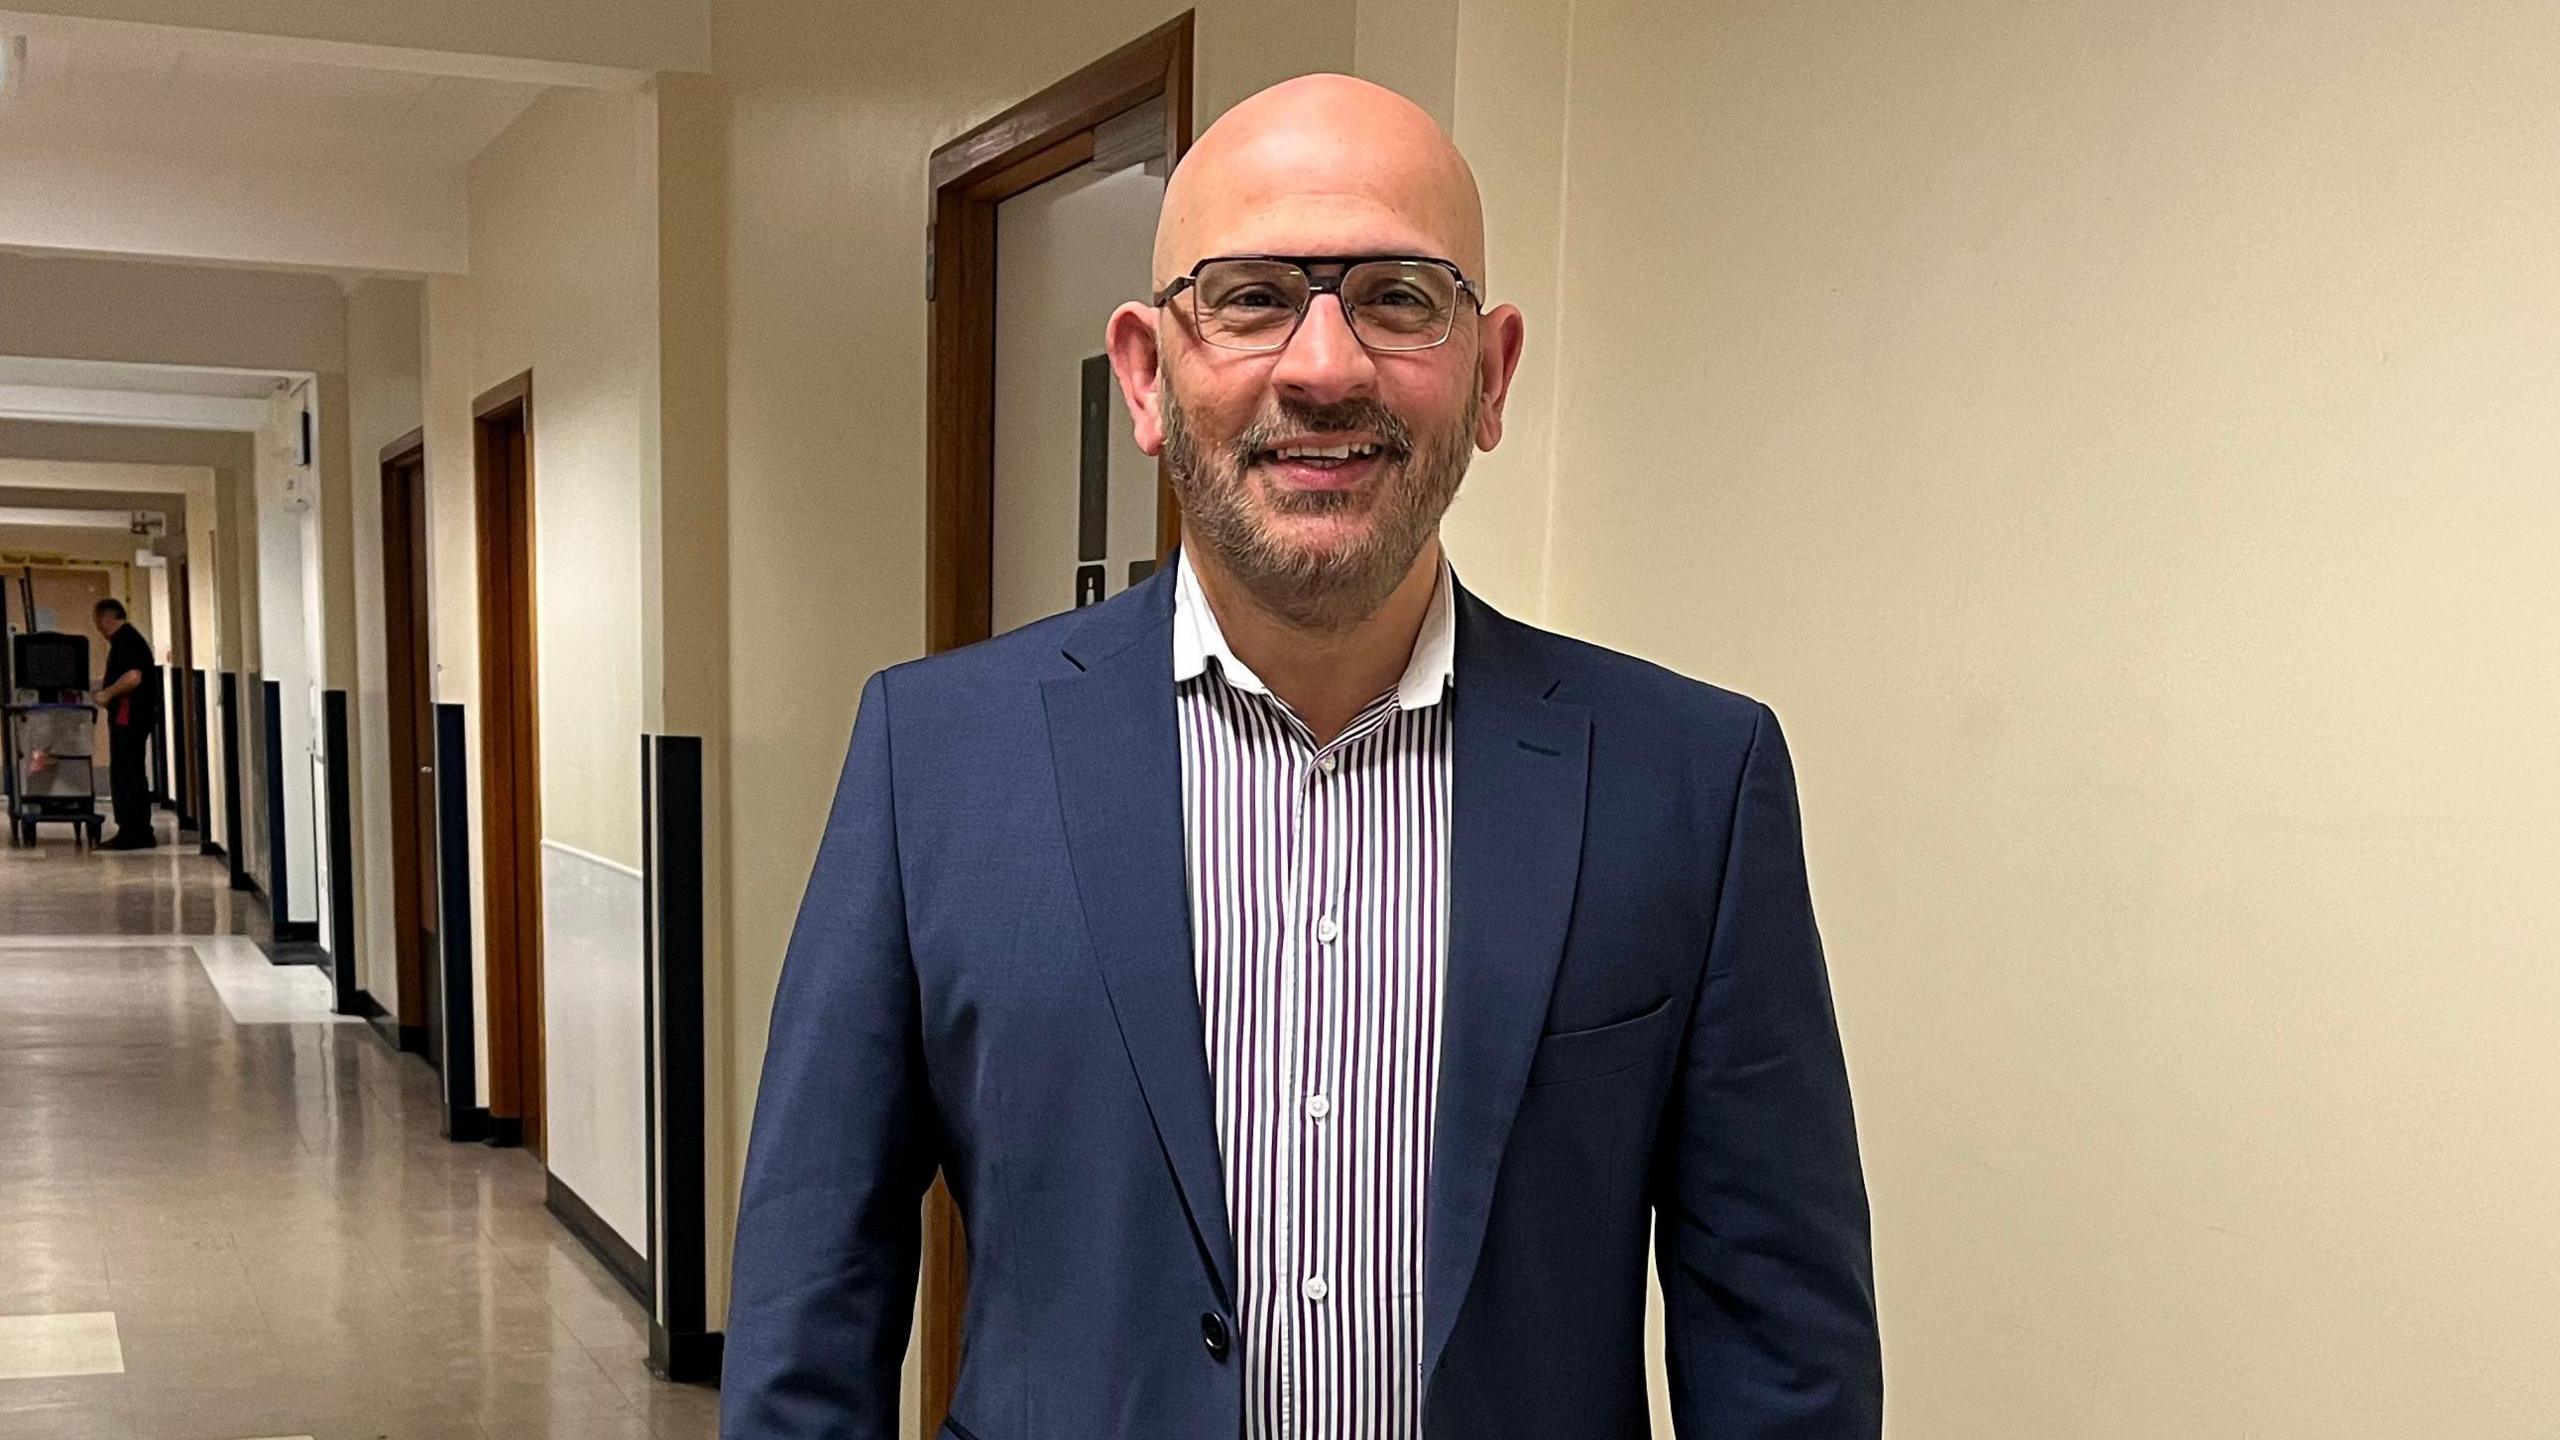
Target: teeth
x=1324 y=452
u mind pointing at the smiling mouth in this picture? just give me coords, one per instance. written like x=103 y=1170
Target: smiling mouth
x=1322 y=457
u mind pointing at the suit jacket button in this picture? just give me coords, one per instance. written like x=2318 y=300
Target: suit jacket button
x=1213 y=1333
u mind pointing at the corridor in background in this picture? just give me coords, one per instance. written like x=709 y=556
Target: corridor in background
x=227 y=1212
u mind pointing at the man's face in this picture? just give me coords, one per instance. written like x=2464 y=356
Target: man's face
x=1325 y=536
x=1320 y=540
x=108 y=624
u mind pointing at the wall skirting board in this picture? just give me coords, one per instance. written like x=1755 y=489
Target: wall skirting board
x=600 y=1238
x=681 y=1344
x=380 y=1021
x=409 y=1038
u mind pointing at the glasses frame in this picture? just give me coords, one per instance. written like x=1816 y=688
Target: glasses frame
x=1318 y=288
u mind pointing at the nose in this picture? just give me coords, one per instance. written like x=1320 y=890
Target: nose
x=1324 y=363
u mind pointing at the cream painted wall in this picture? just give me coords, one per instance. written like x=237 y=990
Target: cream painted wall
x=385 y=400
x=453 y=566
x=563 y=268
x=154 y=583
x=833 y=114
x=1411 y=47
x=331 y=556
x=685 y=661
x=2118 y=441
x=244 y=612
x=1510 y=86
x=564 y=284
x=290 y=600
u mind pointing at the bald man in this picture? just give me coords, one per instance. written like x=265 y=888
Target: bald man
x=1317 y=987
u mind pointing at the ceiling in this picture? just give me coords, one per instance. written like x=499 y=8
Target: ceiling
x=167 y=91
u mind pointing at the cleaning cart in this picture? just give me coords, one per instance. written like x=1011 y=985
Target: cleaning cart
x=48 y=729
x=53 y=771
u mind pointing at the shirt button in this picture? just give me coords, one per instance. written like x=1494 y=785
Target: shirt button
x=1326 y=930
x=1317 y=1289
x=1318 y=1107
x=1329 y=763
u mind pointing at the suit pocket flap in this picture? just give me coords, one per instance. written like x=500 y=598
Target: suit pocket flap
x=1602 y=1050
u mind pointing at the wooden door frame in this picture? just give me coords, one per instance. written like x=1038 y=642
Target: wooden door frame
x=403 y=583
x=1035 y=141
x=1038 y=140
x=510 y=775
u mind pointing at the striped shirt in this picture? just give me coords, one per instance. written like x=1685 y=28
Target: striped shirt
x=1319 y=881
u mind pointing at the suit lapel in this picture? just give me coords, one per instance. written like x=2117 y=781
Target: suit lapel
x=1520 y=772
x=1119 y=769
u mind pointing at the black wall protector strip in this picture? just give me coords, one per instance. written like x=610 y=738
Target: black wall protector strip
x=231 y=846
x=465 y=1119
x=279 y=890
x=343 y=950
x=680 y=1346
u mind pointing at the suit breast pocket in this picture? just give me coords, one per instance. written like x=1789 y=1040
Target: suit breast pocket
x=1569 y=1055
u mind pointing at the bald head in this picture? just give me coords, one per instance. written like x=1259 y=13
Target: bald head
x=1322 y=165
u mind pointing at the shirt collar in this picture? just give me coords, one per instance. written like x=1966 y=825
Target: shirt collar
x=1197 y=640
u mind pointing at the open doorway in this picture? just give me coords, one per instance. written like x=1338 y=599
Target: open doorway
x=418 y=1000
x=510 y=746
x=1022 y=516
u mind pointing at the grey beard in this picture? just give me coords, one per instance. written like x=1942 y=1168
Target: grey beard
x=1327 y=593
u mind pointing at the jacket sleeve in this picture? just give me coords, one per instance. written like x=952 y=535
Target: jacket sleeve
x=1762 y=1239
x=823 y=1288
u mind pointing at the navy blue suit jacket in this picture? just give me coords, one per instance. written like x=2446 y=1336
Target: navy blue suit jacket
x=992 y=977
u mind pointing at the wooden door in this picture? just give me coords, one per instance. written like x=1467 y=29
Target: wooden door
x=419 y=1001
x=511 y=782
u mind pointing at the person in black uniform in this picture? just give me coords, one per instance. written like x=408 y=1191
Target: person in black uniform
x=131 y=696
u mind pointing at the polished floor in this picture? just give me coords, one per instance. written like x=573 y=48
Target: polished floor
x=225 y=1215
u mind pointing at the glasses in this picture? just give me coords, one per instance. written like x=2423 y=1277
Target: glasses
x=1256 y=302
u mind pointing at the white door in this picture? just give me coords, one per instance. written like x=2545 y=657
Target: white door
x=1075 y=499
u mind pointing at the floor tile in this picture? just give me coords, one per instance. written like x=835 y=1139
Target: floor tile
x=42 y=1347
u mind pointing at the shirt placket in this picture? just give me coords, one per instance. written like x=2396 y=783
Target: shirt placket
x=1297 y=936
x=1315 y=1102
